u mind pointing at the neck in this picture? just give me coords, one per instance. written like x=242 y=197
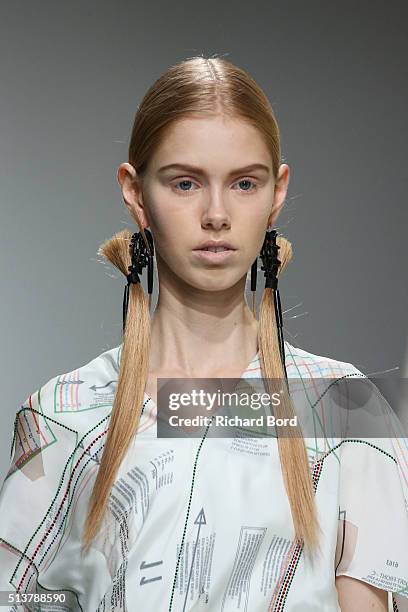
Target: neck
x=202 y=332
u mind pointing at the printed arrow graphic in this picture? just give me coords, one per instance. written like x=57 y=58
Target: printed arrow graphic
x=200 y=520
x=94 y=387
x=145 y=565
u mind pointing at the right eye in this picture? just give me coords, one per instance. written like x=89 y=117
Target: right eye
x=183 y=182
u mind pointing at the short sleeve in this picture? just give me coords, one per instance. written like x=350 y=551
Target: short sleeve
x=42 y=506
x=372 y=539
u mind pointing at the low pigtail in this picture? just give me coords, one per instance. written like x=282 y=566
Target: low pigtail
x=292 y=449
x=132 y=378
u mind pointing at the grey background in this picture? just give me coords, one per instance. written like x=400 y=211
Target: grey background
x=72 y=75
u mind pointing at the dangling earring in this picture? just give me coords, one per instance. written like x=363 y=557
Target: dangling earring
x=140 y=256
x=271 y=263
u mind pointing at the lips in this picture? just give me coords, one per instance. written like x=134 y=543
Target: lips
x=214 y=249
x=214 y=258
x=215 y=246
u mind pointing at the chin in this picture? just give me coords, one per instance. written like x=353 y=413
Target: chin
x=220 y=282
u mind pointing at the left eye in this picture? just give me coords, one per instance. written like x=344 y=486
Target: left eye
x=246 y=181
x=184 y=181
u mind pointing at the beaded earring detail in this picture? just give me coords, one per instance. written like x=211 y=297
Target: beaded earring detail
x=271 y=263
x=140 y=258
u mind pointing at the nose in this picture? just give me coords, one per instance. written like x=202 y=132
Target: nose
x=215 y=214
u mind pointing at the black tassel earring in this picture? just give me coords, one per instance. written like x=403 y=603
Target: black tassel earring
x=271 y=263
x=140 y=256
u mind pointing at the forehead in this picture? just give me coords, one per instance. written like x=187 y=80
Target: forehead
x=216 y=142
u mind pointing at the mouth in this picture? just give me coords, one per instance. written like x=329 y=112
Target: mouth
x=214 y=254
x=215 y=249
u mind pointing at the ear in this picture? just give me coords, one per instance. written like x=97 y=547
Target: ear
x=131 y=186
x=281 y=188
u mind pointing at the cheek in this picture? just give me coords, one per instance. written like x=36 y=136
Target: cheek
x=174 y=233
x=254 y=240
x=171 y=242
x=165 y=218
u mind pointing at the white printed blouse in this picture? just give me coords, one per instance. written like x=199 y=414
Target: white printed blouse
x=195 y=524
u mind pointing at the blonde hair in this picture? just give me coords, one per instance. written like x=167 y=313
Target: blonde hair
x=201 y=87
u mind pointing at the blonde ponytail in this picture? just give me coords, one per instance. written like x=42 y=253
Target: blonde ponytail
x=292 y=449
x=132 y=378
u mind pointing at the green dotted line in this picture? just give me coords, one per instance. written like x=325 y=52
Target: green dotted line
x=361 y=442
x=61 y=479
x=188 y=513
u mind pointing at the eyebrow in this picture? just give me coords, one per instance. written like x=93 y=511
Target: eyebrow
x=197 y=170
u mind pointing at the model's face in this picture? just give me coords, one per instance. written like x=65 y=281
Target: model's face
x=209 y=196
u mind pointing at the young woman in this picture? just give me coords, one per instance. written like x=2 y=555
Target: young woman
x=98 y=512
